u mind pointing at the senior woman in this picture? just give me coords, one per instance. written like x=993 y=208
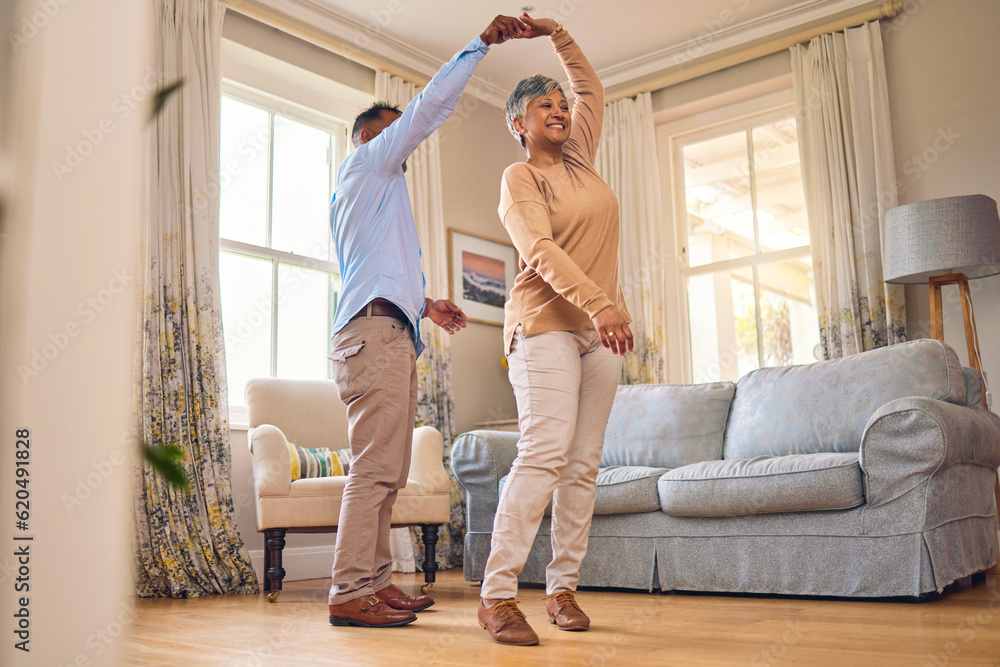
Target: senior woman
x=565 y=325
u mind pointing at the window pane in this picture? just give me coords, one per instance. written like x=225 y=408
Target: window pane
x=723 y=326
x=305 y=315
x=246 y=319
x=717 y=189
x=302 y=178
x=788 y=313
x=745 y=321
x=781 y=203
x=243 y=172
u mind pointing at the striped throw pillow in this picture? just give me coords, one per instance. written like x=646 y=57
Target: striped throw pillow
x=314 y=462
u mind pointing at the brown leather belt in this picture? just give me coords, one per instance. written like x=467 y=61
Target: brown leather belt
x=382 y=309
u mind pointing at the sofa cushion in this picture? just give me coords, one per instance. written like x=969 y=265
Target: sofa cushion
x=667 y=425
x=763 y=485
x=824 y=407
x=621 y=490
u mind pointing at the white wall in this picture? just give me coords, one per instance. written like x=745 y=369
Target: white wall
x=69 y=260
x=943 y=69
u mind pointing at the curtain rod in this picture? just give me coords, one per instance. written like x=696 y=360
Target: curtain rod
x=321 y=39
x=886 y=10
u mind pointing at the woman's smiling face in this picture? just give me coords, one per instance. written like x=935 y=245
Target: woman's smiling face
x=547 y=119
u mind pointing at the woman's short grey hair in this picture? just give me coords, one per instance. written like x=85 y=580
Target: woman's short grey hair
x=526 y=90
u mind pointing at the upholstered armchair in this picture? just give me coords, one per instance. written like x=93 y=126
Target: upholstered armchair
x=309 y=414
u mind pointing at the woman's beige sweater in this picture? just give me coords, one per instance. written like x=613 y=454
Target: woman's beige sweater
x=563 y=220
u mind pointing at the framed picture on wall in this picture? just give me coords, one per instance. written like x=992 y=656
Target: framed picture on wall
x=481 y=273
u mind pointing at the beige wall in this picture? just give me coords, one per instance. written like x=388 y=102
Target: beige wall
x=943 y=67
x=69 y=263
x=476 y=147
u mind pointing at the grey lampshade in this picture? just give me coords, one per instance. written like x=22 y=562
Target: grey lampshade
x=942 y=236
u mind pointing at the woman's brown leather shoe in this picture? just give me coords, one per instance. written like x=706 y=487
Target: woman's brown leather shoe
x=506 y=624
x=565 y=612
x=397 y=599
x=369 y=612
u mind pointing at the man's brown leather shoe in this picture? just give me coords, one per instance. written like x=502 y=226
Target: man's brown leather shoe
x=565 y=612
x=397 y=599
x=369 y=612
x=506 y=624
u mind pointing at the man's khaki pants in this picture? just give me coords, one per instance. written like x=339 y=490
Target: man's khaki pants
x=564 y=383
x=375 y=370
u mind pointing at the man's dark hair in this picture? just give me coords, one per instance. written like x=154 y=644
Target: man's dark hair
x=368 y=116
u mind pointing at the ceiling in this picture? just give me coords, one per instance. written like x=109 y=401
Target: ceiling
x=627 y=41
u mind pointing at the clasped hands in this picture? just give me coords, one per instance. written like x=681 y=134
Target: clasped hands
x=504 y=28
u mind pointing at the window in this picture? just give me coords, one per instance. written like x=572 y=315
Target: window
x=746 y=271
x=277 y=265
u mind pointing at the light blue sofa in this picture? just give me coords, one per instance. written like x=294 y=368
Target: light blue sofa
x=868 y=476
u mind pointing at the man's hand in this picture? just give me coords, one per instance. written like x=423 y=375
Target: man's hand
x=538 y=27
x=445 y=314
x=613 y=330
x=502 y=29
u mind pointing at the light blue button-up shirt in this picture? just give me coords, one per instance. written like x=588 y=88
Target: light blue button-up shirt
x=371 y=219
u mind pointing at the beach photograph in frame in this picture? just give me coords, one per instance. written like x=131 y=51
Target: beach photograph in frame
x=481 y=273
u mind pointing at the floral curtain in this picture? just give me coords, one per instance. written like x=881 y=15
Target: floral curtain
x=627 y=161
x=842 y=104
x=435 y=402
x=186 y=542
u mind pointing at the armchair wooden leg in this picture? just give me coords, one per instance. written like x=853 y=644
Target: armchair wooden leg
x=267 y=564
x=274 y=542
x=430 y=537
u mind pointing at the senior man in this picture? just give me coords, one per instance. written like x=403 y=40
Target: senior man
x=377 y=339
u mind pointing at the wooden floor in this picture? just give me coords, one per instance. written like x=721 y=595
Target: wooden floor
x=960 y=627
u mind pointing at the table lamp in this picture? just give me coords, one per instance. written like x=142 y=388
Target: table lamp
x=946 y=242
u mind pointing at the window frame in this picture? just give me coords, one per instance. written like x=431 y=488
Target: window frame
x=275 y=105
x=743 y=116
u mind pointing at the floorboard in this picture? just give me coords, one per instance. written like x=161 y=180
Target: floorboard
x=959 y=627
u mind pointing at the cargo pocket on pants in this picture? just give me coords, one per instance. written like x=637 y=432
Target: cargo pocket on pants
x=350 y=370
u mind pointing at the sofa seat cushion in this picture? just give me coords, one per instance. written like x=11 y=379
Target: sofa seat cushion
x=622 y=490
x=763 y=485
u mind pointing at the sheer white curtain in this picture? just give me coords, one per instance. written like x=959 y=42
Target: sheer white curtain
x=186 y=542
x=845 y=141
x=435 y=403
x=627 y=161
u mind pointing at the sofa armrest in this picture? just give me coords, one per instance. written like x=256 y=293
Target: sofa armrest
x=479 y=459
x=427 y=460
x=910 y=441
x=272 y=468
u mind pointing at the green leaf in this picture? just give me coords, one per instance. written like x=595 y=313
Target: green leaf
x=162 y=95
x=167 y=460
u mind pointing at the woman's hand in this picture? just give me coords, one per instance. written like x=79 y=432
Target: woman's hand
x=502 y=29
x=538 y=27
x=613 y=330
x=445 y=314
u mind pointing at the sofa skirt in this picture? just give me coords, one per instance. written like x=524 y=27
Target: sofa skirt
x=910 y=565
